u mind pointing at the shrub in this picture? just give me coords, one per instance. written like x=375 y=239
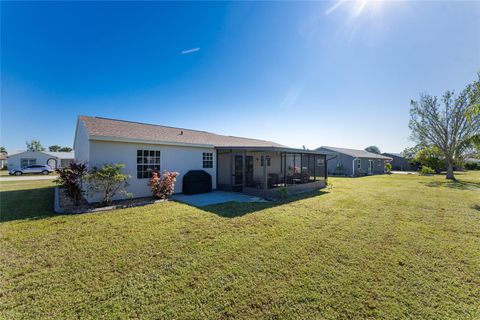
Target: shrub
x=388 y=167
x=328 y=184
x=472 y=166
x=71 y=180
x=427 y=171
x=108 y=181
x=282 y=193
x=163 y=185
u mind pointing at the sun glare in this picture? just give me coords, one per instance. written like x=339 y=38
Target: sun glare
x=355 y=7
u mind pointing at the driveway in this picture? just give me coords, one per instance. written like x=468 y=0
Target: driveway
x=26 y=178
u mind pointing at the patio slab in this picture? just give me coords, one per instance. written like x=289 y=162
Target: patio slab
x=214 y=197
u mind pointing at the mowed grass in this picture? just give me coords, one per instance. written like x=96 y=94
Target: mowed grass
x=382 y=247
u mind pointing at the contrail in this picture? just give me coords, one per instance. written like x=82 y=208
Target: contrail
x=190 y=50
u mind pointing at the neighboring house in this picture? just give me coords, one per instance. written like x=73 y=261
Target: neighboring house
x=399 y=163
x=27 y=158
x=3 y=160
x=251 y=166
x=352 y=162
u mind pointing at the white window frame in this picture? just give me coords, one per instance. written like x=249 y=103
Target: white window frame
x=269 y=161
x=207 y=160
x=147 y=162
x=359 y=163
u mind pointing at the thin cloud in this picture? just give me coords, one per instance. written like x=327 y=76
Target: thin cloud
x=190 y=50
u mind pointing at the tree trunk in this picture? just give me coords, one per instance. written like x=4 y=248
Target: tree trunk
x=450 y=174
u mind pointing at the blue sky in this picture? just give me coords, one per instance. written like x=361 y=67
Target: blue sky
x=308 y=73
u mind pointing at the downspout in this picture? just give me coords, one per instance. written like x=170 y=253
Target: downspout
x=353 y=167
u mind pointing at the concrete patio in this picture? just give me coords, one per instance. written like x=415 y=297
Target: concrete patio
x=215 y=197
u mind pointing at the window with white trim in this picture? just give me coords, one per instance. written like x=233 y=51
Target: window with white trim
x=207 y=159
x=27 y=162
x=269 y=161
x=359 y=163
x=147 y=161
x=379 y=163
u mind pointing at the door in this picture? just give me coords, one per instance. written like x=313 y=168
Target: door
x=370 y=166
x=238 y=173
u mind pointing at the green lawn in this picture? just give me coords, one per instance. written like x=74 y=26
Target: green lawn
x=383 y=247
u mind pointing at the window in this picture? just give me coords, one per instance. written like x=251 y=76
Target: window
x=65 y=162
x=379 y=163
x=269 y=161
x=359 y=164
x=27 y=162
x=207 y=160
x=147 y=161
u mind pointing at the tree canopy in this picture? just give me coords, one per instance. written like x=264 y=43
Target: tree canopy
x=373 y=149
x=446 y=123
x=54 y=148
x=34 y=145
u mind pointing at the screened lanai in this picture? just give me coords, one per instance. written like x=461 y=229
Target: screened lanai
x=263 y=171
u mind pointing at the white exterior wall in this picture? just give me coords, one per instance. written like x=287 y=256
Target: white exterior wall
x=14 y=161
x=81 y=145
x=172 y=158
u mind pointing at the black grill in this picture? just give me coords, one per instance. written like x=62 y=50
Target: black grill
x=197 y=181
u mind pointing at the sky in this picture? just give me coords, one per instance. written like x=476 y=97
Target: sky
x=331 y=73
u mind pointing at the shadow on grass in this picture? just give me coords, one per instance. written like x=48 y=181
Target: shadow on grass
x=26 y=204
x=238 y=209
x=459 y=185
x=476 y=207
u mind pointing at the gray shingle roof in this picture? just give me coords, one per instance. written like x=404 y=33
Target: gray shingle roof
x=356 y=153
x=121 y=129
x=392 y=154
x=61 y=154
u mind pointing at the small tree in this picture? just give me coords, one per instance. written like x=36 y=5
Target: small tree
x=108 y=181
x=163 y=185
x=388 y=167
x=34 y=145
x=431 y=157
x=3 y=150
x=65 y=149
x=373 y=149
x=449 y=127
x=54 y=148
x=71 y=180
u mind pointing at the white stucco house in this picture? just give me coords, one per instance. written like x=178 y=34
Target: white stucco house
x=251 y=166
x=55 y=160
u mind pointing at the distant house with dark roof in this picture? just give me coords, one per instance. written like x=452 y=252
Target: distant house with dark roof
x=399 y=163
x=352 y=162
x=252 y=166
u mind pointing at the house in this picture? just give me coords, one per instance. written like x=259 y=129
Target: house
x=352 y=162
x=399 y=163
x=27 y=158
x=251 y=166
x=3 y=160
